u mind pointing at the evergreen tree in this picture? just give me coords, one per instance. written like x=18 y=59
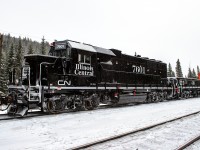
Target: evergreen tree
x=19 y=58
x=1 y=62
x=43 y=50
x=8 y=39
x=178 y=69
x=198 y=71
x=194 y=73
x=170 y=72
x=30 y=49
x=10 y=59
x=3 y=75
x=1 y=47
x=189 y=73
x=173 y=74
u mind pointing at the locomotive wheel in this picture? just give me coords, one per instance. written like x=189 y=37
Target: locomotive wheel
x=56 y=106
x=70 y=105
x=165 y=96
x=79 y=103
x=151 y=98
x=115 y=101
x=159 y=97
x=93 y=103
x=51 y=106
x=105 y=99
x=88 y=105
x=148 y=98
x=80 y=108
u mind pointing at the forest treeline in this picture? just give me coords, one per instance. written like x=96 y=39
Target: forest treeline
x=178 y=71
x=12 y=51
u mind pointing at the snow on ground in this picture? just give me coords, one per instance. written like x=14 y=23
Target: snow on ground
x=64 y=131
x=168 y=136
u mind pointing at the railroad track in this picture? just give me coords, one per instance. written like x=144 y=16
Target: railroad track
x=189 y=142
x=112 y=138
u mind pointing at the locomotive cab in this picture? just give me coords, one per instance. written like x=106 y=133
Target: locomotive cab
x=81 y=70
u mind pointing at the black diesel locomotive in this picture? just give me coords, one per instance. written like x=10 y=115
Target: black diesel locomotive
x=81 y=76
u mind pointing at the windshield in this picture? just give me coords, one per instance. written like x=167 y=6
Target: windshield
x=62 y=53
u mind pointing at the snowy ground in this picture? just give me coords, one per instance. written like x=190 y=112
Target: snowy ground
x=64 y=131
x=168 y=136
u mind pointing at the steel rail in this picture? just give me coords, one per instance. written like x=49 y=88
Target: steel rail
x=103 y=140
x=188 y=143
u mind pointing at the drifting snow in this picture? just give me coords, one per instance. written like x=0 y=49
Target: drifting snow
x=64 y=131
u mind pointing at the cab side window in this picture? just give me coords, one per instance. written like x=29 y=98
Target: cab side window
x=87 y=59
x=80 y=58
x=84 y=58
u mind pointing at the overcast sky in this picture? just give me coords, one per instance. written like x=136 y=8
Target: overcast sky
x=165 y=30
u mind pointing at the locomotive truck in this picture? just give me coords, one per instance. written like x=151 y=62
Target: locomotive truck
x=79 y=76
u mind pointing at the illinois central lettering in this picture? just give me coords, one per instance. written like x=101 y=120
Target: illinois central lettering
x=84 y=70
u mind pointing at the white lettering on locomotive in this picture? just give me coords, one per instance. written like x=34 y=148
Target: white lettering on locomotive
x=64 y=82
x=60 y=46
x=138 y=69
x=84 y=70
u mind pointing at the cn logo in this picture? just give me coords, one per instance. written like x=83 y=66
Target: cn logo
x=64 y=82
